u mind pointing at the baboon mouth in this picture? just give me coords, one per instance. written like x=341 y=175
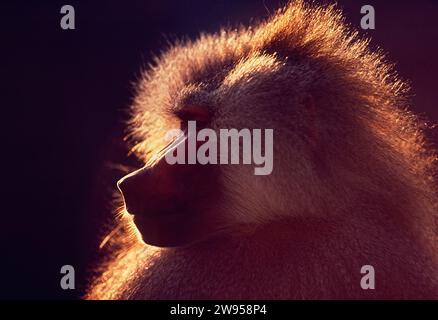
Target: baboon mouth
x=164 y=228
x=163 y=212
x=163 y=209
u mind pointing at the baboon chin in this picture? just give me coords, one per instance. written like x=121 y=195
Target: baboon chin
x=352 y=183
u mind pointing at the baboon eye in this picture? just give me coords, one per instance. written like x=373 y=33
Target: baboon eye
x=200 y=114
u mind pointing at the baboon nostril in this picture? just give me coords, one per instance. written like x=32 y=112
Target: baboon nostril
x=133 y=182
x=137 y=189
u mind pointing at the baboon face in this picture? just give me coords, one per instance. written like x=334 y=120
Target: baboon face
x=181 y=203
x=239 y=89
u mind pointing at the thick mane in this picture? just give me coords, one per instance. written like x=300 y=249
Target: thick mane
x=377 y=135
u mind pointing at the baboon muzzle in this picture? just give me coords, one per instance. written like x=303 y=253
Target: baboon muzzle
x=166 y=200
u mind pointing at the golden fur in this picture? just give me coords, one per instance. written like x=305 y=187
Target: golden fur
x=353 y=180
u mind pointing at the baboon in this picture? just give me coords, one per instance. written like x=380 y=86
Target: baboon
x=352 y=183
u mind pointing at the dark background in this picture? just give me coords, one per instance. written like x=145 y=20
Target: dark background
x=63 y=101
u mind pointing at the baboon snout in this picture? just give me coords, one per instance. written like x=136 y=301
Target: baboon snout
x=133 y=188
x=154 y=190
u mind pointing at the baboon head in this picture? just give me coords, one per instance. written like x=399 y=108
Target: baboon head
x=339 y=136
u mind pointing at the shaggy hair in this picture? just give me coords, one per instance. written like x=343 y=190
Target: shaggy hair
x=364 y=159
